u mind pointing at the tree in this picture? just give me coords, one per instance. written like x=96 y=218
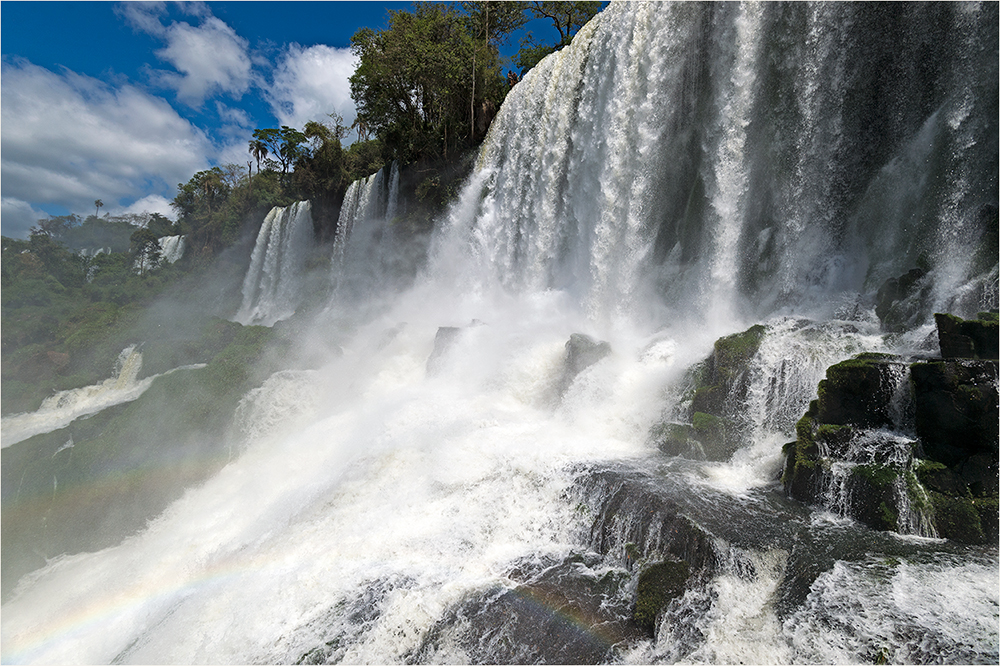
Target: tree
x=144 y=251
x=258 y=150
x=490 y=22
x=417 y=80
x=98 y=204
x=285 y=144
x=566 y=17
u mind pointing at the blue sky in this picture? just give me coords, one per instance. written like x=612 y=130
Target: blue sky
x=123 y=101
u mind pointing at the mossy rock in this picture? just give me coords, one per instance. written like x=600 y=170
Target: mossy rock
x=942 y=479
x=872 y=496
x=958 y=518
x=732 y=355
x=835 y=438
x=802 y=471
x=723 y=374
x=967 y=338
x=658 y=584
x=711 y=431
x=859 y=392
x=988 y=509
x=678 y=439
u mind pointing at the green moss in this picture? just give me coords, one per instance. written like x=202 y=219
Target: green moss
x=733 y=352
x=987 y=316
x=875 y=356
x=831 y=432
x=658 y=584
x=708 y=425
x=879 y=476
x=889 y=516
x=919 y=499
x=957 y=518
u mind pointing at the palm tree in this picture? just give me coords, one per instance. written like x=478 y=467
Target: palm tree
x=258 y=149
x=98 y=204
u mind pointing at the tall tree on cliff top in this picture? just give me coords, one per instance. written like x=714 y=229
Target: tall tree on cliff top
x=412 y=87
x=566 y=17
x=490 y=23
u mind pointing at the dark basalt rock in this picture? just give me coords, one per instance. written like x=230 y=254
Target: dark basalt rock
x=859 y=391
x=559 y=612
x=902 y=301
x=956 y=409
x=582 y=351
x=950 y=474
x=658 y=584
x=968 y=338
x=443 y=340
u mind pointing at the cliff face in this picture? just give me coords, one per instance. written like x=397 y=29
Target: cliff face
x=907 y=447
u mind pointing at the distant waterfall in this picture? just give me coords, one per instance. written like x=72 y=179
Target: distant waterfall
x=64 y=407
x=364 y=242
x=271 y=287
x=171 y=248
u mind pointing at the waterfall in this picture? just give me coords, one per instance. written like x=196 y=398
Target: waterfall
x=667 y=153
x=64 y=407
x=364 y=245
x=271 y=288
x=171 y=248
x=679 y=172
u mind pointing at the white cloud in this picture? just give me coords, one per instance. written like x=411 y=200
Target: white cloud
x=152 y=203
x=17 y=217
x=210 y=58
x=308 y=83
x=69 y=139
x=143 y=16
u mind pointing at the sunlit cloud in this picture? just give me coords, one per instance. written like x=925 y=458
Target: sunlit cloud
x=153 y=203
x=18 y=217
x=69 y=139
x=210 y=58
x=311 y=82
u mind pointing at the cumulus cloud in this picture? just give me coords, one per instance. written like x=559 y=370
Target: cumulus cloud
x=308 y=83
x=18 y=217
x=69 y=139
x=152 y=203
x=210 y=58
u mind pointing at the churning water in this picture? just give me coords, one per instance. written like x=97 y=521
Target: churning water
x=679 y=172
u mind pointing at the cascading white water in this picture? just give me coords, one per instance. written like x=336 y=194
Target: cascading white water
x=65 y=407
x=364 y=240
x=272 y=286
x=171 y=248
x=371 y=498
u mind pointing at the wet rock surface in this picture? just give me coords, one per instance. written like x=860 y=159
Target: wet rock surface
x=848 y=457
x=718 y=389
x=582 y=351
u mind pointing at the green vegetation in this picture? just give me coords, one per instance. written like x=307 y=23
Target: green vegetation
x=658 y=584
x=566 y=17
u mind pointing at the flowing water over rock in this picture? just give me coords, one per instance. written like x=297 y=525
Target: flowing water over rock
x=273 y=283
x=678 y=173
